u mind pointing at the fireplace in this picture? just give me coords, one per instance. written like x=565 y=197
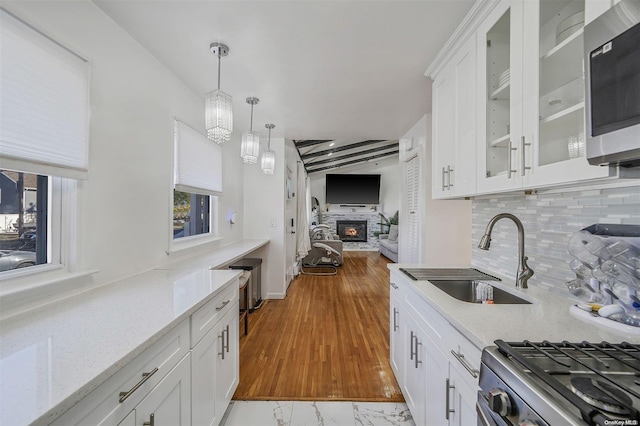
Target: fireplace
x=352 y=230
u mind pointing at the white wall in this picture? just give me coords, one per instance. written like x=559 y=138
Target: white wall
x=124 y=206
x=265 y=206
x=444 y=225
x=390 y=184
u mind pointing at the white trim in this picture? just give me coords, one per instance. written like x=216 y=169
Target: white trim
x=466 y=28
x=176 y=245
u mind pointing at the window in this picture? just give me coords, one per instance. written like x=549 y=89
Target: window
x=191 y=214
x=44 y=147
x=197 y=183
x=23 y=220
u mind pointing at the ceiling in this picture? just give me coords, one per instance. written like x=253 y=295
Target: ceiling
x=343 y=71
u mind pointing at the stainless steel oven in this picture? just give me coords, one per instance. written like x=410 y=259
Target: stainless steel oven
x=612 y=76
x=549 y=384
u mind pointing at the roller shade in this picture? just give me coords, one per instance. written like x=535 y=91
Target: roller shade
x=44 y=103
x=197 y=162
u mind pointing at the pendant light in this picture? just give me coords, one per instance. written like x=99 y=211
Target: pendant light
x=250 y=148
x=218 y=105
x=268 y=160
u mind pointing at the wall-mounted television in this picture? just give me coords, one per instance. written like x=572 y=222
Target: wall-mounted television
x=353 y=189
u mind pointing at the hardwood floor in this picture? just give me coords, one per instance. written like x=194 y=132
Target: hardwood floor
x=328 y=340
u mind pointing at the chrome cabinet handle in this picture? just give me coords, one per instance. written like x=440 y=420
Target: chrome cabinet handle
x=412 y=354
x=461 y=360
x=417 y=360
x=225 y=303
x=145 y=377
x=448 y=410
x=444 y=172
x=221 y=336
x=523 y=156
x=449 y=173
x=509 y=169
x=151 y=422
x=393 y=285
x=227 y=347
x=395 y=323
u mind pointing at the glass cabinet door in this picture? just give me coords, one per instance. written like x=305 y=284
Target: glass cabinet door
x=500 y=97
x=553 y=139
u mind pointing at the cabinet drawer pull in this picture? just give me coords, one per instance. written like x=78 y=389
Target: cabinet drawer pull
x=225 y=303
x=447 y=399
x=417 y=360
x=393 y=285
x=151 y=422
x=145 y=377
x=444 y=172
x=449 y=172
x=523 y=156
x=395 y=322
x=461 y=360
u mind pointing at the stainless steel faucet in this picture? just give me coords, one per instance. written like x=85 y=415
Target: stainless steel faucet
x=524 y=272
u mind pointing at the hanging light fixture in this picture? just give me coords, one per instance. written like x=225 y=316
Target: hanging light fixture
x=268 y=160
x=250 y=148
x=218 y=105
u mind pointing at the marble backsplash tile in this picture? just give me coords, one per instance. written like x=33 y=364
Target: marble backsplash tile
x=549 y=220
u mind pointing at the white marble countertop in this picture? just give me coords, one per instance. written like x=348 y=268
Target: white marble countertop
x=52 y=357
x=547 y=318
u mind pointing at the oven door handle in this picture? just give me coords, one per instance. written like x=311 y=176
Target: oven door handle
x=484 y=413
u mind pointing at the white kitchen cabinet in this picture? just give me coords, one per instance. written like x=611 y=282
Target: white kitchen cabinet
x=531 y=98
x=113 y=400
x=168 y=404
x=227 y=364
x=175 y=385
x=436 y=367
x=454 y=125
x=396 y=355
x=215 y=370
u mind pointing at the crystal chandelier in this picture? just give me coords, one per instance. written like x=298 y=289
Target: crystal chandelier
x=218 y=106
x=268 y=160
x=250 y=148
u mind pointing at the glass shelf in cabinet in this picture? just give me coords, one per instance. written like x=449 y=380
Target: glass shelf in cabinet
x=574 y=108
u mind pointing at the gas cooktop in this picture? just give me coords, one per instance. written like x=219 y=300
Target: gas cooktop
x=563 y=383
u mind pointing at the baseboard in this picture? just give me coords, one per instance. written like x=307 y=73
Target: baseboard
x=275 y=296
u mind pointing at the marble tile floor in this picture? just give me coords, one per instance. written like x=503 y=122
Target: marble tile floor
x=309 y=413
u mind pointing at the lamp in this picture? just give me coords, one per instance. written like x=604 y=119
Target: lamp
x=217 y=105
x=268 y=160
x=250 y=148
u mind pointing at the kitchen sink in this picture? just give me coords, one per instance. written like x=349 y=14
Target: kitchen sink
x=428 y=274
x=465 y=290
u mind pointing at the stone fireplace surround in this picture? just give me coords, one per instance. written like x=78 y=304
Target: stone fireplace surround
x=373 y=225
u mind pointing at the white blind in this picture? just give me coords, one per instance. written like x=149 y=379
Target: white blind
x=197 y=162
x=44 y=103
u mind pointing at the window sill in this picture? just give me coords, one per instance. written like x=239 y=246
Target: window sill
x=22 y=292
x=176 y=246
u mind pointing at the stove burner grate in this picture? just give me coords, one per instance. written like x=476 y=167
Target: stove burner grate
x=602 y=395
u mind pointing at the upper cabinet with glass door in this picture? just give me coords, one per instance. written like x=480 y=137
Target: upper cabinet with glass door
x=499 y=100
x=553 y=135
x=531 y=100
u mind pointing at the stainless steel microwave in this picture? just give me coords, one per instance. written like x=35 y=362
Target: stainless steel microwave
x=612 y=77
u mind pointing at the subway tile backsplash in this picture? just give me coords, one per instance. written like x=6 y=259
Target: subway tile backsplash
x=549 y=220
